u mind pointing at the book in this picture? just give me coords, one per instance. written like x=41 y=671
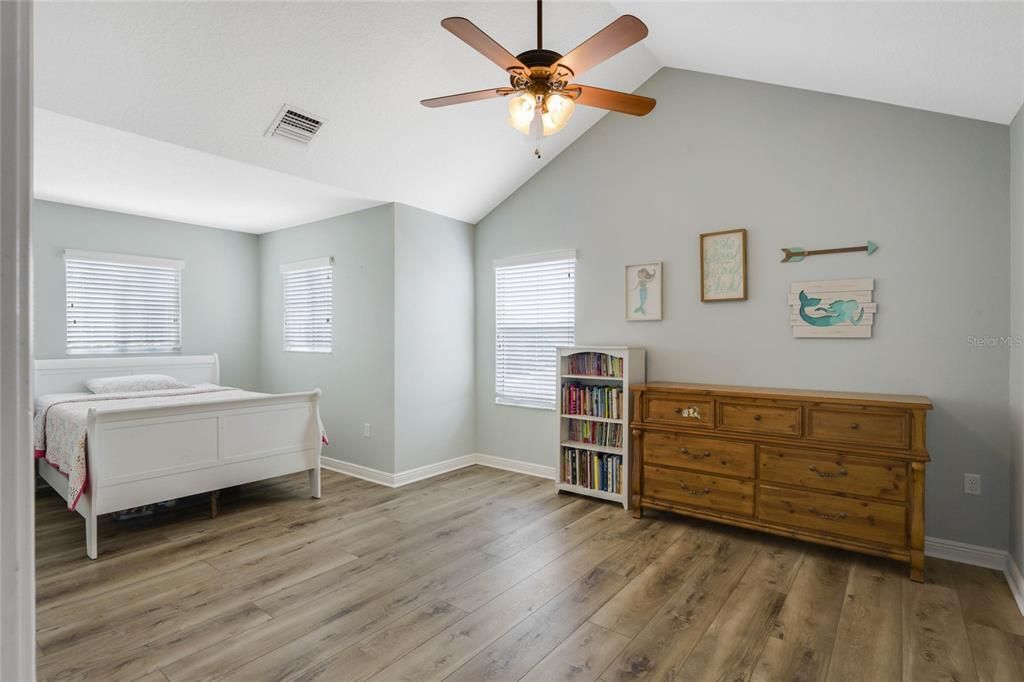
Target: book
x=595 y=365
x=595 y=433
x=592 y=401
x=593 y=470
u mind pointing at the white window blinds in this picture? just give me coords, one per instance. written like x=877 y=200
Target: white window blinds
x=308 y=305
x=118 y=303
x=535 y=300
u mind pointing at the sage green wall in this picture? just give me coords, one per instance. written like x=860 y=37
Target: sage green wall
x=434 y=390
x=403 y=302
x=219 y=285
x=1017 y=336
x=358 y=375
x=797 y=168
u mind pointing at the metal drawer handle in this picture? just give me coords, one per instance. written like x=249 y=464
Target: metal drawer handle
x=694 y=491
x=854 y=426
x=757 y=417
x=691 y=411
x=827 y=517
x=695 y=455
x=829 y=474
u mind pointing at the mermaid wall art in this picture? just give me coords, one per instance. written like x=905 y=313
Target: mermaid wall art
x=835 y=309
x=643 y=291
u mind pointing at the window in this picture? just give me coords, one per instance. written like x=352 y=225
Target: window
x=535 y=300
x=308 y=305
x=117 y=303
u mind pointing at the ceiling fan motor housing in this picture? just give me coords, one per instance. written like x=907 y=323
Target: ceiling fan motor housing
x=541 y=58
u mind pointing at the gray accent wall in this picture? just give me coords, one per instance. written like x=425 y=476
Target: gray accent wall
x=434 y=388
x=402 y=357
x=219 y=285
x=358 y=376
x=1017 y=336
x=796 y=168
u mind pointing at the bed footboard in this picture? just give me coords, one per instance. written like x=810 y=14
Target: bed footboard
x=141 y=456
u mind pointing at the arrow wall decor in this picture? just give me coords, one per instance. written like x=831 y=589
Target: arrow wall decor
x=795 y=254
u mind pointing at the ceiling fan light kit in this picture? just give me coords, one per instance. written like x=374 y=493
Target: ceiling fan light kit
x=542 y=96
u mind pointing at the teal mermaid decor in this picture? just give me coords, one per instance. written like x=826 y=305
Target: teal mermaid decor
x=834 y=313
x=643 y=277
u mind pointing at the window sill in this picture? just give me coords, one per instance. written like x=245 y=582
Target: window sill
x=102 y=352
x=529 y=406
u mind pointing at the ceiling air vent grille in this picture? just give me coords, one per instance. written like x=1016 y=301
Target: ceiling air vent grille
x=295 y=124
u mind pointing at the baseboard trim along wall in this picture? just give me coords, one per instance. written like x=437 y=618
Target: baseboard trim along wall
x=965 y=553
x=975 y=555
x=418 y=474
x=527 y=468
x=986 y=557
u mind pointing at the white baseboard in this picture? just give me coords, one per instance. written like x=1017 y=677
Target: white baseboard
x=430 y=470
x=965 y=553
x=419 y=473
x=515 y=465
x=986 y=557
x=1016 y=581
x=358 y=471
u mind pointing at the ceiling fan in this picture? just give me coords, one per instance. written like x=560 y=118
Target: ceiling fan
x=543 y=97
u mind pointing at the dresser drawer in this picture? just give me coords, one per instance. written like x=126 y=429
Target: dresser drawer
x=859 y=427
x=878 y=523
x=759 y=417
x=834 y=472
x=700 y=454
x=714 y=493
x=678 y=410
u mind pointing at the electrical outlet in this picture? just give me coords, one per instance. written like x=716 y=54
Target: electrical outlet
x=366 y=430
x=972 y=484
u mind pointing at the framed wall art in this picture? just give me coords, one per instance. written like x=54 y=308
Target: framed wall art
x=723 y=265
x=833 y=309
x=643 y=292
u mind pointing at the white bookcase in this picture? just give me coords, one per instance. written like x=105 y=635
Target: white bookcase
x=592 y=426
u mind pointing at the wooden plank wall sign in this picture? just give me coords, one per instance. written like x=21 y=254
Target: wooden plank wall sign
x=835 y=309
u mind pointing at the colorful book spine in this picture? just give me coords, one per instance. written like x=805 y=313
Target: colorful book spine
x=595 y=365
x=592 y=401
x=596 y=433
x=592 y=470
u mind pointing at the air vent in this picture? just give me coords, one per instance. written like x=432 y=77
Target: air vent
x=295 y=124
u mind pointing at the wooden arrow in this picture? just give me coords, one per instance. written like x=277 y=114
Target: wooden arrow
x=795 y=254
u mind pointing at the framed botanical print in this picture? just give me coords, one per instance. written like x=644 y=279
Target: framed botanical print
x=643 y=292
x=723 y=265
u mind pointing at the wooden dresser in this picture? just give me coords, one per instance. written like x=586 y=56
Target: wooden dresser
x=841 y=469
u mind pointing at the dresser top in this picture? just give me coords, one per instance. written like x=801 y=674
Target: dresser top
x=876 y=399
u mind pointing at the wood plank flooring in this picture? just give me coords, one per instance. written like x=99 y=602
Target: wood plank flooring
x=482 y=574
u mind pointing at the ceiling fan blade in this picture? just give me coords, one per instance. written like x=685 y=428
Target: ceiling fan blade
x=612 y=100
x=470 y=33
x=465 y=97
x=609 y=41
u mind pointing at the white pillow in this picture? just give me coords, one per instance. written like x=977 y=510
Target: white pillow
x=133 y=382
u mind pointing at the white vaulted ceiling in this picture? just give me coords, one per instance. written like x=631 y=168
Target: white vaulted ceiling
x=160 y=88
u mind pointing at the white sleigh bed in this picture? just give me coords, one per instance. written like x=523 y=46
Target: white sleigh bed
x=142 y=455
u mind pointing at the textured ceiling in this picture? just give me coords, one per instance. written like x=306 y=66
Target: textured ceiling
x=209 y=77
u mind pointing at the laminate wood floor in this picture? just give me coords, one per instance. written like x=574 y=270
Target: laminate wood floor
x=482 y=574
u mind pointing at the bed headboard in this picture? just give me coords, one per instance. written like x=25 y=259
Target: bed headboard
x=69 y=375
